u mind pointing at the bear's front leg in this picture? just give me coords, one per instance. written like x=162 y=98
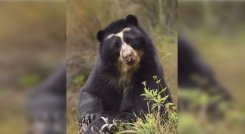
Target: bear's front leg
x=89 y=108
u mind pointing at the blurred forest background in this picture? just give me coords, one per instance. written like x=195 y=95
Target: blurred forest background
x=32 y=44
x=86 y=17
x=216 y=30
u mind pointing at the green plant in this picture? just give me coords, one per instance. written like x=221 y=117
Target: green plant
x=153 y=122
x=79 y=80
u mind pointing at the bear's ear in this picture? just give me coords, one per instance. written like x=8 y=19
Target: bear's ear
x=100 y=35
x=131 y=19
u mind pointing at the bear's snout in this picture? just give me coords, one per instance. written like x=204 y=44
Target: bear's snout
x=128 y=58
x=127 y=54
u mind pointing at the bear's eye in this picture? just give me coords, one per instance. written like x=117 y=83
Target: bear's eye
x=116 y=43
x=130 y=41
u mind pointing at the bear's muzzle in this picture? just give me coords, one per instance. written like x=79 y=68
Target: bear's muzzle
x=127 y=54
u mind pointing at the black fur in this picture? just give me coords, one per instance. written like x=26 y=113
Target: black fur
x=102 y=94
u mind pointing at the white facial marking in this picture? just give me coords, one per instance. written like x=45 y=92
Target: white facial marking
x=119 y=34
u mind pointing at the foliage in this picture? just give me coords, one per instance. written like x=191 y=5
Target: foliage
x=79 y=80
x=153 y=122
x=196 y=120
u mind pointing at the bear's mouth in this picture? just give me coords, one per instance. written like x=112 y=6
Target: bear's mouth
x=130 y=62
x=127 y=54
x=132 y=58
x=129 y=59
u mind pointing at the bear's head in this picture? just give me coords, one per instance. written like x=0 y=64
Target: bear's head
x=124 y=43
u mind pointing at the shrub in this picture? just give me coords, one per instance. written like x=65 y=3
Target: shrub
x=153 y=122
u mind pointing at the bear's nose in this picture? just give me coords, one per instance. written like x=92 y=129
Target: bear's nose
x=127 y=54
x=128 y=57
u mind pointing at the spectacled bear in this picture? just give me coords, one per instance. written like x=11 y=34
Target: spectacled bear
x=126 y=58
